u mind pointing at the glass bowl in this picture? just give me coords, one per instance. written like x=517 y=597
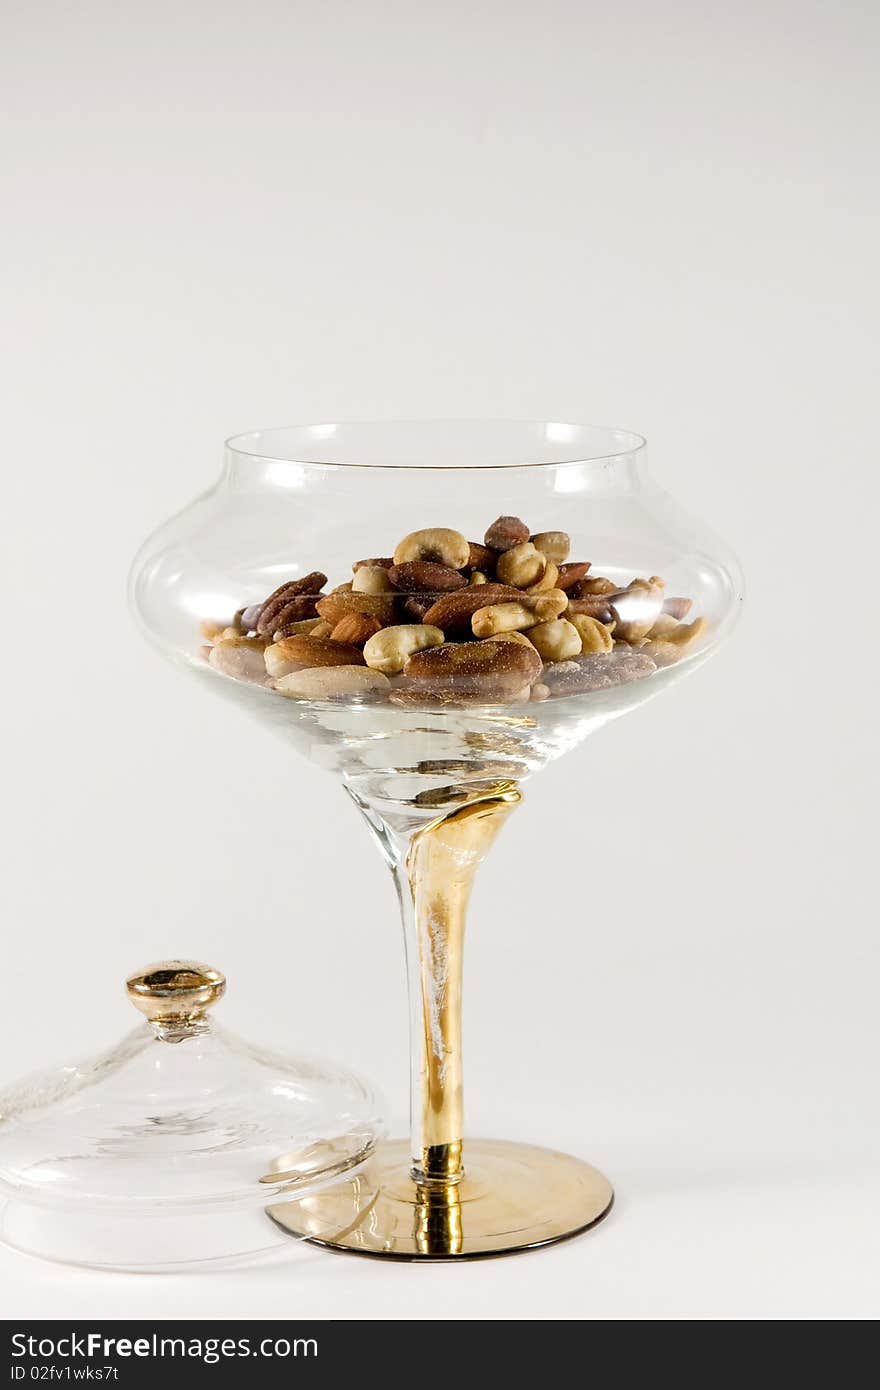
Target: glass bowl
x=433 y=611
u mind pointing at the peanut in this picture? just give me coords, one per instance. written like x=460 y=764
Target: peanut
x=594 y=636
x=321 y=629
x=389 y=650
x=436 y=543
x=556 y=640
x=334 y=683
x=554 y=544
x=540 y=691
x=521 y=566
x=597 y=584
x=370 y=579
x=518 y=614
x=478 y=577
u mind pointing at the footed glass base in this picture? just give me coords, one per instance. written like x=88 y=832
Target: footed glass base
x=512 y=1197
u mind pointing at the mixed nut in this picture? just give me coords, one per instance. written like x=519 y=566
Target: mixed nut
x=449 y=621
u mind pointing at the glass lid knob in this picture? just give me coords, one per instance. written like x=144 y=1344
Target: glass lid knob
x=176 y=994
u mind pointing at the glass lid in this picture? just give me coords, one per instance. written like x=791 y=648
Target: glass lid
x=180 y=1117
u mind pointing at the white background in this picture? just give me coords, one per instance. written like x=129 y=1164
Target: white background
x=657 y=215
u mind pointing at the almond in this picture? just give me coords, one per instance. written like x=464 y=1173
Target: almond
x=415 y=606
x=355 y=629
x=596 y=607
x=294 y=653
x=425 y=577
x=482 y=557
x=453 y=612
x=336 y=606
x=571 y=574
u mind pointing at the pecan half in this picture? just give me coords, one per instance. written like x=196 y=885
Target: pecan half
x=295 y=611
x=272 y=607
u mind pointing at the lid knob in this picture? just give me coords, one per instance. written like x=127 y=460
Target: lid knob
x=175 y=992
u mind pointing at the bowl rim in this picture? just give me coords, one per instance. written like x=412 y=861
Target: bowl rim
x=610 y=443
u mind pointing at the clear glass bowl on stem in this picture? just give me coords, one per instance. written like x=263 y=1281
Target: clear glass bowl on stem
x=378 y=658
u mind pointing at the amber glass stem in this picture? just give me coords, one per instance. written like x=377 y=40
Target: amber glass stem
x=434 y=873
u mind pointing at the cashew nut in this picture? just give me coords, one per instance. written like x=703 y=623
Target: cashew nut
x=390 y=649
x=437 y=543
x=547 y=581
x=370 y=579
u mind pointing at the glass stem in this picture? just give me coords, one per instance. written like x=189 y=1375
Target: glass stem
x=434 y=873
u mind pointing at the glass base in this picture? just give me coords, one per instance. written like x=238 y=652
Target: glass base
x=146 y=1243
x=513 y=1197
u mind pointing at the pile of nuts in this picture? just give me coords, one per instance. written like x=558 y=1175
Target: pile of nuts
x=449 y=621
